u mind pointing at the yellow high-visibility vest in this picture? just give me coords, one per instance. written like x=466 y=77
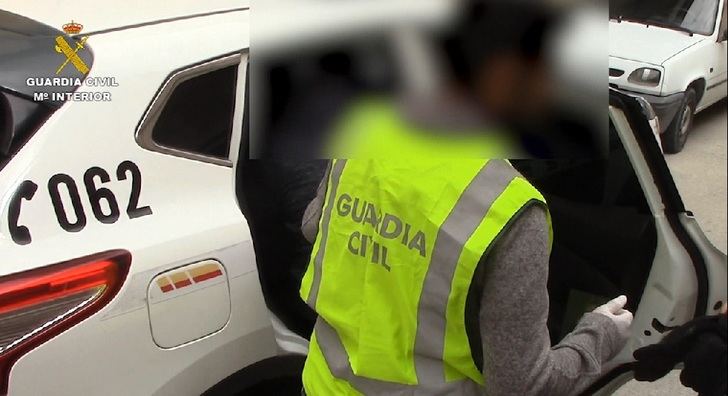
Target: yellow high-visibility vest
x=398 y=245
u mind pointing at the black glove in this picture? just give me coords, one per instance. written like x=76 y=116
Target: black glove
x=700 y=344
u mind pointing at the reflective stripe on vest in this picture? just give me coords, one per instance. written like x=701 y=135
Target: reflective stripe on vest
x=334 y=176
x=397 y=247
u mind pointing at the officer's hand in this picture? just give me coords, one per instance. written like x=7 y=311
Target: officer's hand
x=615 y=311
x=700 y=344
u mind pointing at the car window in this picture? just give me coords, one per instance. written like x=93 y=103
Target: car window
x=696 y=16
x=191 y=115
x=198 y=115
x=723 y=22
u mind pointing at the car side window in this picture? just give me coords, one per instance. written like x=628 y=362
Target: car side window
x=198 y=115
x=192 y=114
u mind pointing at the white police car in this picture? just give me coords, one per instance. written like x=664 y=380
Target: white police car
x=127 y=266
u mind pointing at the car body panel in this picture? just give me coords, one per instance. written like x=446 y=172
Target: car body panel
x=716 y=267
x=649 y=44
x=193 y=217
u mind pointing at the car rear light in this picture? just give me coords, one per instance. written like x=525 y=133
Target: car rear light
x=39 y=304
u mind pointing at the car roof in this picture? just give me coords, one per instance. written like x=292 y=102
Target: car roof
x=98 y=16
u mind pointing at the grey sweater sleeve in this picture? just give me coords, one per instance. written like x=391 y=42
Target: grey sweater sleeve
x=517 y=355
x=312 y=215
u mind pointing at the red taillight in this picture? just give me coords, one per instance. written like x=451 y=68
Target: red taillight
x=39 y=304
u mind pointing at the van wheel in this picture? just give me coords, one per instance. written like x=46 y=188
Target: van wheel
x=673 y=140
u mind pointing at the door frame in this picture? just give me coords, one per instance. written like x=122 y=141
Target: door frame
x=669 y=210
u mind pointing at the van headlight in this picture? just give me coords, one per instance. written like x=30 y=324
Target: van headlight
x=645 y=76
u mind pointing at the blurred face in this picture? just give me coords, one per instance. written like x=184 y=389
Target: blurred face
x=509 y=86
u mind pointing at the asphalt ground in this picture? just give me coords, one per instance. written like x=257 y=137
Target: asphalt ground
x=700 y=174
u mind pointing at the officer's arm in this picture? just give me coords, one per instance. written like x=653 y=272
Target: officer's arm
x=517 y=353
x=312 y=215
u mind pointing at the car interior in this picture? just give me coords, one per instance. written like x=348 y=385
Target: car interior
x=604 y=233
x=594 y=258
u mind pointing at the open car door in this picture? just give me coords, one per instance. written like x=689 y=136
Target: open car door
x=620 y=227
x=649 y=247
x=688 y=274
